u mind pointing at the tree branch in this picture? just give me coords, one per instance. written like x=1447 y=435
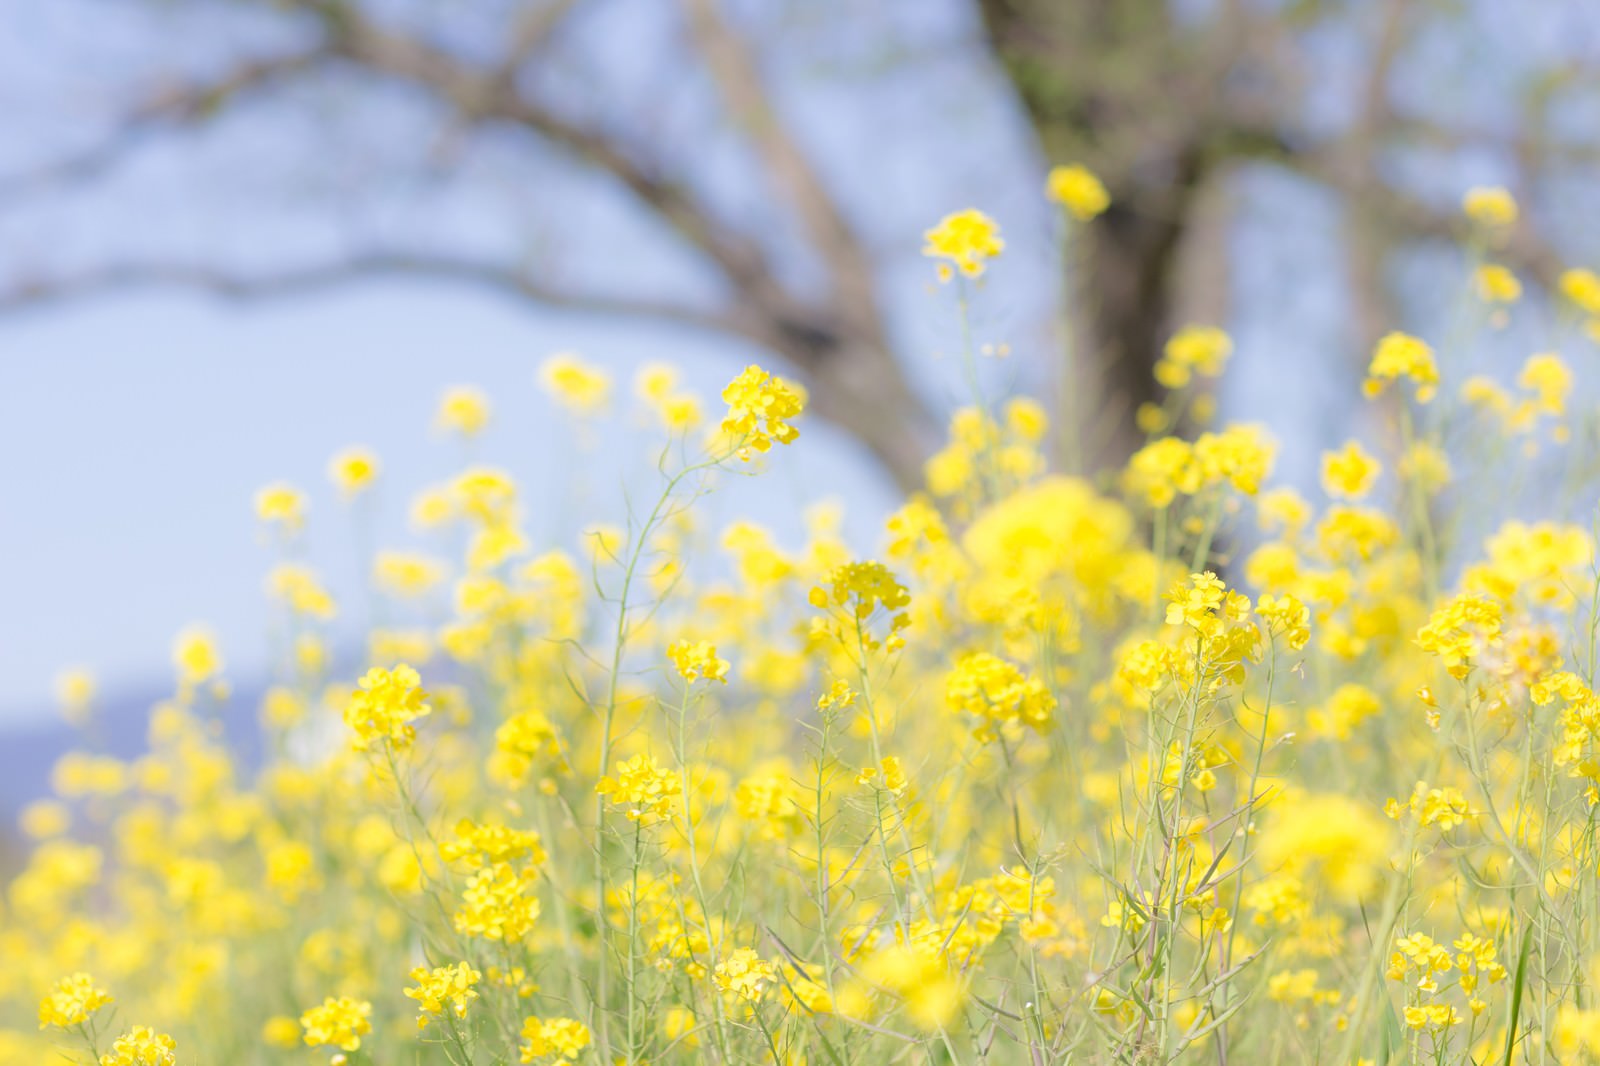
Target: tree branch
x=735 y=71
x=166 y=108
x=483 y=95
x=31 y=293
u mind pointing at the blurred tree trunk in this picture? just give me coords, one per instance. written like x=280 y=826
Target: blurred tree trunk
x=1119 y=88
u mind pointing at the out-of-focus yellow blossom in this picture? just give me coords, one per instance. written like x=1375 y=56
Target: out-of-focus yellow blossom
x=657 y=385
x=578 y=386
x=298 y=587
x=1547 y=376
x=1426 y=465
x=281 y=504
x=1202 y=350
x=996 y=692
x=141 y=1046
x=697 y=661
x=43 y=819
x=930 y=994
x=354 y=470
x=1490 y=206
x=1400 y=355
x=195 y=655
x=1461 y=631
x=1076 y=188
x=556 y=1037
x=71 y=1002
x=1497 y=284
x=75 y=690
x=1582 y=287
x=281 y=1031
x=338 y=1022
x=464 y=410
x=1349 y=473
x=969 y=239
x=743 y=975
x=406 y=574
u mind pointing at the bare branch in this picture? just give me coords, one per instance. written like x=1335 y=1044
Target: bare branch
x=733 y=67
x=166 y=108
x=534 y=26
x=483 y=95
x=30 y=293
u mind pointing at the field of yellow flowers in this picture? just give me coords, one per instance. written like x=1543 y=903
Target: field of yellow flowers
x=1172 y=765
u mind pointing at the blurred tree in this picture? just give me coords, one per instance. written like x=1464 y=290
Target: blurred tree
x=1164 y=99
x=1169 y=102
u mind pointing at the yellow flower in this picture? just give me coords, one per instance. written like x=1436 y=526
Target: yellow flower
x=1200 y=350
x=1077 y=189
x=1400 y=355
x=931 y=995
x=1459 y=632
x=577 y=386
x=281 y=1031
x=71 y=1002
x=969 y=239
x=1287 y=617
x=759 y=407
x=353 y=470
x=697 y=661
x=195 y=654
x=1490 y=206
x=75 y=690
x=339 y=1023
x=282 y=505
x=141 y=1046
x=441 y=988
x=464 y=410
x=499 y=904
x=743 y=975
x=657 y=385
x=382 y=709
x=645 y=789
x=1497 y=285
x=1547 y=377
x=996 y=692
x=1349 y=474
x=561 y=1037
x=1582 y=287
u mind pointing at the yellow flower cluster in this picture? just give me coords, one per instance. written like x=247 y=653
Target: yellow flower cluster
x=1169 y=763
x=759 y=408
x=1400 y=355
x=557 y=1037
x=642 y=787
x=1240 y=456
x=996 y=693
x=381 y=711
x=443 y=988
x=141 y=1046
x=1202 y=350
x=338 y=1022
x=697 y=661
x=577 y=386
x=1077 y=189
x=969 y=239
x=71 y=1003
